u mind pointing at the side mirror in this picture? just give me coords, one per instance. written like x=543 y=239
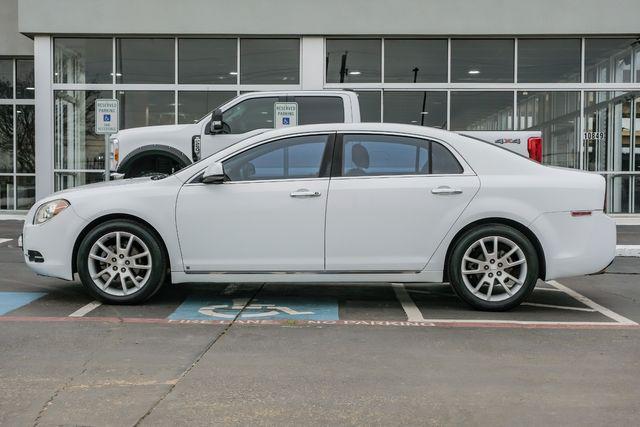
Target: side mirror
x=216 y=121
x=214 y=174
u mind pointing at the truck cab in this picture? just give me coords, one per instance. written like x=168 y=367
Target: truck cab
x=166 y=149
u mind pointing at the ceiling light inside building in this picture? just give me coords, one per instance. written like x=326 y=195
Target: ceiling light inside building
x=474 y=72
x=354 y=73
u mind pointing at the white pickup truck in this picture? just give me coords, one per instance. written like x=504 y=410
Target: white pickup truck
x=165 y=149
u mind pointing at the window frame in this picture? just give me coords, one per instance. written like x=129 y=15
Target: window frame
x=338 y=150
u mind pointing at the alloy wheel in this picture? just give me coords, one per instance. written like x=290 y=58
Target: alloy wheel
x=494 y=268
x=120 y=263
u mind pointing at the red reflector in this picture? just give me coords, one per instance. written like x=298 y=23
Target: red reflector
x=580 y=213
x=534 y=145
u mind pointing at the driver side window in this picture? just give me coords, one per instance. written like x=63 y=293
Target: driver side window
x=248 y=115
x=297 y=157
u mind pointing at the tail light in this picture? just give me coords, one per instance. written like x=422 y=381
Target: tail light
x=534 y=146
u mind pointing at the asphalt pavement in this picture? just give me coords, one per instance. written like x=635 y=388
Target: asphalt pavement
x=387 y=354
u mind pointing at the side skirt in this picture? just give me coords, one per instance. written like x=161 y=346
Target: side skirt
x=305 y=277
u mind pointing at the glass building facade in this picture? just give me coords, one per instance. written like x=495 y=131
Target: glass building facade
x=17 y=134
x=583 y=93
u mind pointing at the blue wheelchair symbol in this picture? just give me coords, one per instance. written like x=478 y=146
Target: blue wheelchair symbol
x=285 y=120
x=106 y=117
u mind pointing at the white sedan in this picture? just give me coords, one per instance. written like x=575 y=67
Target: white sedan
x=332 y=203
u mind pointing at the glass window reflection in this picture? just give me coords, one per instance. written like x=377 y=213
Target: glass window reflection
x=353 y=60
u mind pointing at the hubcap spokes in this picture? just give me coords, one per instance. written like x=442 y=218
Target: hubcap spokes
x=494 y=268
x=119 y=263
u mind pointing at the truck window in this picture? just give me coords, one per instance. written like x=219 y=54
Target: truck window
x=250 y=114
x=319 y=109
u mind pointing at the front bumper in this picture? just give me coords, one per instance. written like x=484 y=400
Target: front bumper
x=48 y=248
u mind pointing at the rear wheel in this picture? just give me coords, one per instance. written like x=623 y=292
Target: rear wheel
x=493 y=267
x=121 y=262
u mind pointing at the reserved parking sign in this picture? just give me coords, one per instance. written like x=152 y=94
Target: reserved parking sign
x=107 y=116
x=285 y=114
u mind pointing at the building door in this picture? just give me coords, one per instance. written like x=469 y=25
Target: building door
x=612 y=146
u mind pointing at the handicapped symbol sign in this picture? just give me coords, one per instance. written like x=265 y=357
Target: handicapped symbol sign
x=106 y=117
x=229 y=311
x=286 y=120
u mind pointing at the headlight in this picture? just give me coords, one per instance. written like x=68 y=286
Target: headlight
x=48 y=210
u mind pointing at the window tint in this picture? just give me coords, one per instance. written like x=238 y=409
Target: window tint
x=145 y=60
x=371 y=155
x=369 y=105
x=192 y=106
x=416 y=108
x=6 y=78
x=319 y=109
x=482 y=61
x=256 y=113
x=548 y=60
x=354 y=60
x=82 y=60
x=208 y=61
x=270 y=61
x=415 y=61
x=298 y=157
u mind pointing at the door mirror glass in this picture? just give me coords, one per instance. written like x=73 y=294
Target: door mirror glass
x=214 y=174
x=215 y=126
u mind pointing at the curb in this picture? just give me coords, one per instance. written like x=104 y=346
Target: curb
x=628 y=250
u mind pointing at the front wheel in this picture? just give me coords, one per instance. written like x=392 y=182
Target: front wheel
x=121 y=262
x=493 y=267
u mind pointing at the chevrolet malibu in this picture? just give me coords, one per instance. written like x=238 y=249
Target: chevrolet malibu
x=335 y=203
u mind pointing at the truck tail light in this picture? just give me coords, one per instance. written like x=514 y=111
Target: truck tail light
x=534 y=146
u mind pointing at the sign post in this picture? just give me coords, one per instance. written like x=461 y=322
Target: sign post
x=107 y=113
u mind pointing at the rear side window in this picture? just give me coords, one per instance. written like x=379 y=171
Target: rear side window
x=376 y=155
x=319 y=109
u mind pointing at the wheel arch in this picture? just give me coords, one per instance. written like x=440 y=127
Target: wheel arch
x=153 y=150
x=109 y=217
x=504 y=221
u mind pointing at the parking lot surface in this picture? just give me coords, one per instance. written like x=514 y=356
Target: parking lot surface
x=318 y=354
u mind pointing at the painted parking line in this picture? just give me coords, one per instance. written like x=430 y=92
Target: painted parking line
x=559 y=307
x=84 y=310
x=589 y=303
x=201 y=307
x=410 y=308
x=10 y=301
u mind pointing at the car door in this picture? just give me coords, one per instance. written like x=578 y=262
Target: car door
x=392 y=199
x=267 y=216
x=239 y=121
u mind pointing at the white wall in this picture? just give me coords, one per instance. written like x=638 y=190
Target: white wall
x=12 y=43
x=329 y=17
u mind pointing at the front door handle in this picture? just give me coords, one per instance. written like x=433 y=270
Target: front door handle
x=304 y=193
x=446 y=190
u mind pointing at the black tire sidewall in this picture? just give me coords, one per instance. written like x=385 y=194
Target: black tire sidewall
x=470 y=237
x=158 y=259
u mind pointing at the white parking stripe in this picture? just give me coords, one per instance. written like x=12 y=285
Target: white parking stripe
x=409 y=307
x=82 y=311
x=589 y=303
x=560 y=307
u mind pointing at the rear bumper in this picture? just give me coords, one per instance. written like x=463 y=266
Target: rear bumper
x=576 y=246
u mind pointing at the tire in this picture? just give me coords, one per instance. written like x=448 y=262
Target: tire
x=474 y=265
x=139 y=247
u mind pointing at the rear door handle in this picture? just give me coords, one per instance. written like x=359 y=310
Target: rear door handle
x=446 y=190
x=304 y=193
